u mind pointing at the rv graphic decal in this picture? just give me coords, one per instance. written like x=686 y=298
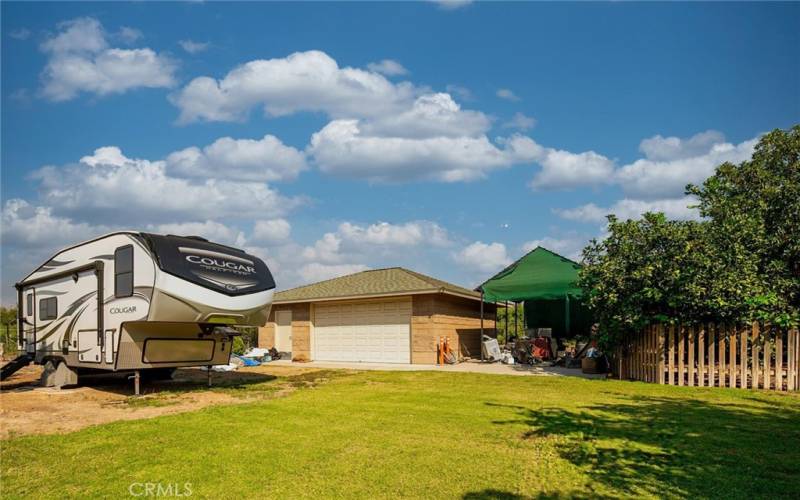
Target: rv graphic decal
x=122 y=310
x=217 y=259
x=222 y=264
x=56 y=263
x=213 y=263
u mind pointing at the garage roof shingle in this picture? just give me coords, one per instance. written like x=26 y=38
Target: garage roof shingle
x=394 y=280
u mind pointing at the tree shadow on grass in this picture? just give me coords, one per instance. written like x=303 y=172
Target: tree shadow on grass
x=665 y=446
x=495 y=494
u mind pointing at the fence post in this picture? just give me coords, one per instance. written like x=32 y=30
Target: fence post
x=754 y=353
x=796 y=359
x=732 y=356
x=712 y=360
x=791 y=372
x=671 y=372
x=743 y=357
x=642 y=351
x=701 y=355
x=779 y=360
x=681 y=352
x=653 y=354
x=767 y=360
x=722 y=354
x=692 y=334
x=661 y=351
x=650 y=344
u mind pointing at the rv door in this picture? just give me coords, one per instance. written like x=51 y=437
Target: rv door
x=28 y=323
x=63 y=307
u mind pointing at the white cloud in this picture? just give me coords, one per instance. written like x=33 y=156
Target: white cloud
x=461 y=92
x=483 y=257
x=28 y=226
x=79 y=60
x=380 y=131
x=193 y=47
x=111 y=186
x=20 y=34
x=507 y=94
x=351 y=247
x=352 y=241
x=569 y=246
x=84 y=34
x=315 y=271
x=341 y=148
x=266 y=159
x=383 y=233
x=325 y=249
x=303 y=81
x=31 y=234
x=563 y=169
x=520 y=121
x=431 y=115
x=672 y=163
x=673 y=208
x=271 y=231
x=655 y=183
x=129 y=35
x=451 y=4
x=210 y=230
x=658 y=148
x=388 y=67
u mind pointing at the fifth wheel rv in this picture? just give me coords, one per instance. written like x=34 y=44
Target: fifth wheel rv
x=132 y=301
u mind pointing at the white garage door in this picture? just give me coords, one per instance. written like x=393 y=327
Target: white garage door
x=363 y=331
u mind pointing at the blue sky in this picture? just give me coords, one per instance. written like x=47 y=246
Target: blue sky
x=447 y=140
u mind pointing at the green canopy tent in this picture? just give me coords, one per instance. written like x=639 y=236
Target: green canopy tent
x=547 y=284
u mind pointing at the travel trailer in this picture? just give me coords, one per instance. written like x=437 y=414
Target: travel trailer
x=131 y=301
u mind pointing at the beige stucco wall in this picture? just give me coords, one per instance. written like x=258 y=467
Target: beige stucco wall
x=301 y=330
x=432 y=316
x=438 y=316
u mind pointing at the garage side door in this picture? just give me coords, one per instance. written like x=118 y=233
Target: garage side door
x=363 y=331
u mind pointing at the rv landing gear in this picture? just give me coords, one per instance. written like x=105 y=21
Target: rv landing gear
x=209 y=375
x=136 y=380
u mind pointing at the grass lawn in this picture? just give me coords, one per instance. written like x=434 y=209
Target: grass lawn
x=427 y=434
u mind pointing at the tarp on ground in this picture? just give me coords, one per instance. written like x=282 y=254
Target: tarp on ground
x=547 y=283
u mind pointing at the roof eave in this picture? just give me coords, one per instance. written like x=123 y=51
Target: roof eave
x=377 y=296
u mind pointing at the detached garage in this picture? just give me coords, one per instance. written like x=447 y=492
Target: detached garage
x=383 y=316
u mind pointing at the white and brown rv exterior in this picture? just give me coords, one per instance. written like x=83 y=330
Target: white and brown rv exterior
x=131 y=301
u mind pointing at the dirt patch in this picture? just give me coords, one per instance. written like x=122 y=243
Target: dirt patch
x=26 y=408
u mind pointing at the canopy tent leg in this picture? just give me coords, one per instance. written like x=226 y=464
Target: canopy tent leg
x=566 y=315
x=495 y=319
x=516 y=320
x=506 y=322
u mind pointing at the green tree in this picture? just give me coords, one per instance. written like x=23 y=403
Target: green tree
x=740 y=264
x=753 y=211
x=645 y=270
x=513 y=318
x=8 y=328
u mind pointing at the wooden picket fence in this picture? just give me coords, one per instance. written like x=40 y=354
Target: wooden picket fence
x=712 y=356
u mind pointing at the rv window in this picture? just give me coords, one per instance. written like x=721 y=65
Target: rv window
x=48 y=308
x=123 y=271
x=29 y=308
